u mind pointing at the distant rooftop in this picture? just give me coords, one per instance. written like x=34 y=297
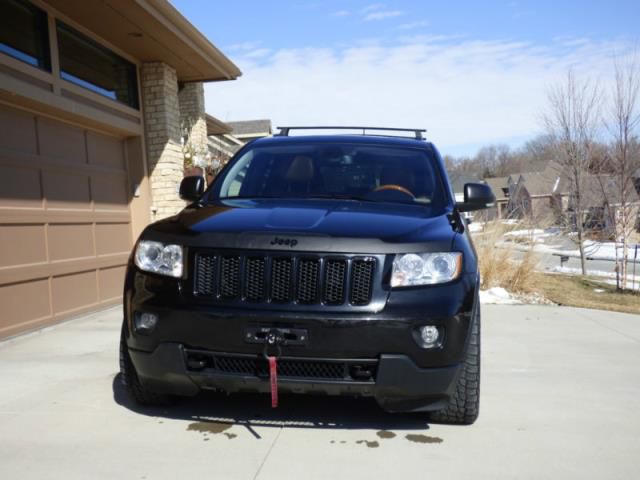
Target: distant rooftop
x=260 y=127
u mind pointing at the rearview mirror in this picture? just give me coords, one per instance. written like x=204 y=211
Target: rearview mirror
x=191 y=188
x=477 y=196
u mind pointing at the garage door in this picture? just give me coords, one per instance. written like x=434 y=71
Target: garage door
x=65 y=226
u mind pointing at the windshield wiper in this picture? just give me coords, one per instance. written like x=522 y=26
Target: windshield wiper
x=337 y=196
x=325 y=196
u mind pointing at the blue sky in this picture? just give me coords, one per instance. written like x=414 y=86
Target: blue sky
x=470 y=72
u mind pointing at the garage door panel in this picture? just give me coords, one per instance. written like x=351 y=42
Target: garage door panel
x=112 y=238
x=19 y=187
x=61 y=141
x=70 y=241
x=72 y=292
x=111 y=282
x=23 y=302
x=22 y=244
x=65 y=220
x=105 y=151
x=109 y=192
x=66 y=190
x=17 y=131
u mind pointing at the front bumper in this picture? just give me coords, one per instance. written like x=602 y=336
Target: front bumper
x=399 y=385
x=407 y=378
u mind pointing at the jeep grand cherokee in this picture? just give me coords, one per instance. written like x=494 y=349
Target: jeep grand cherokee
x=334 y=264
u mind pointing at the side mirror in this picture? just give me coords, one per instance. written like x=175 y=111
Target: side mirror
x=191 y=188
x=477 y=196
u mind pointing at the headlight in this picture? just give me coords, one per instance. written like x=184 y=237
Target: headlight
x=156 y=257
x=425 y=268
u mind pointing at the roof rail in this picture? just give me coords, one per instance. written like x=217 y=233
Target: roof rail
x=418 y=132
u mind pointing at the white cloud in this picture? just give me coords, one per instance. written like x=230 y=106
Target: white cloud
x=372 y=7
x=413 y=25
x=257 y=53
x=341 y=13
x=382 y=15
x=465 y=92
x=239 y=47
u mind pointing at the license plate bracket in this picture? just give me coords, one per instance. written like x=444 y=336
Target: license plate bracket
x=290 y=336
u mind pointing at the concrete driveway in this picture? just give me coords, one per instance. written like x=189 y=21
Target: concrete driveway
x=559 y=400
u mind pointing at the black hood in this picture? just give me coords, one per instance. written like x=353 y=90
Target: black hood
x=305 y=220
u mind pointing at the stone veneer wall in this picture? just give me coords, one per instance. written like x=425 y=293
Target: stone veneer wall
x=162 y=135
x=191 y=101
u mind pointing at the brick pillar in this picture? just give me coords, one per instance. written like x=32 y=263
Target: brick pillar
x=162 y=134
x=192 y=114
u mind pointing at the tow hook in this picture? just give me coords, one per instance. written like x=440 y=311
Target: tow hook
x=273 y=339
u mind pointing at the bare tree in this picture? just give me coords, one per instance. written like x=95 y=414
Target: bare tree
x=572 y=119
x=623 y=119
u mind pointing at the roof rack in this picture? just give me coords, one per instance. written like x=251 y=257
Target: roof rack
x=418 y=132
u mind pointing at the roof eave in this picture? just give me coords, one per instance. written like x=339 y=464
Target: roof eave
x=167 y=14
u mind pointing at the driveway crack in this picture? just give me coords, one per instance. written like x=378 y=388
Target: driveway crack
x=264 y=460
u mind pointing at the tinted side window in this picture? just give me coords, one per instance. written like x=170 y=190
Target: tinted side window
x=92 y=66
x=24 y=33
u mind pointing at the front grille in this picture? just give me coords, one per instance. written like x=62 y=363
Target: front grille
x=305 y=280
x=255 y=284
x=308 y=270
x=281 y=279
x=230 y=277
x=334 y=281
x=361 y=280
x=299 y=368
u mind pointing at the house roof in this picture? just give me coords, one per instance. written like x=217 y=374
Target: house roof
x=216 y=126
x=550 y=180
x=600 y=189
x=149 y=31
x=497 y=184
x=249 y=128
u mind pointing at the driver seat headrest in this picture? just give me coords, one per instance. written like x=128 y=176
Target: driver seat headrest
x=300 y=170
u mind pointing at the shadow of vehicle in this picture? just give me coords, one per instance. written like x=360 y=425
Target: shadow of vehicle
x=295 y=411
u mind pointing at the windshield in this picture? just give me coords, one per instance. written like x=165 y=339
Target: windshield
x=342 y=171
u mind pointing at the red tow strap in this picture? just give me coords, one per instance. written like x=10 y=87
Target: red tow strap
x=273 y=380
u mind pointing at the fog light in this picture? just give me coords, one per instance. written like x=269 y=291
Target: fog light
x=145 y=322
x=429 y=336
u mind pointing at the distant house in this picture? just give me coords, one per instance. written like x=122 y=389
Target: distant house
x=248 y=130
x=601 y=205
x=500 y=187
x=222 y=144
x=546 y=195
x=226 y=138
x=539 y=194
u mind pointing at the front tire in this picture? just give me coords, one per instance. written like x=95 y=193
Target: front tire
x=464 y=404
x=129 y=377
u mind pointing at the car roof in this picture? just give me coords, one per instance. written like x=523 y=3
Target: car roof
x=344 y=139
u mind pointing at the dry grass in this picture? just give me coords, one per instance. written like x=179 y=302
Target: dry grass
x=578 y=291
x=497 y=267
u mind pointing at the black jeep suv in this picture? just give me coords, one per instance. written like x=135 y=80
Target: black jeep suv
x=343 y=258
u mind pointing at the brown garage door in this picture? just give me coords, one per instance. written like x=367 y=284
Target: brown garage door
x=65 y=227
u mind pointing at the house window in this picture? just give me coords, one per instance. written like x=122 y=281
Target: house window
x=24 y=34
x=96 y=68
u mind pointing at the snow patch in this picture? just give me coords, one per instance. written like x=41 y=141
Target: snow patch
x=498 y=296
x=632 y=283
x=475 y=227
